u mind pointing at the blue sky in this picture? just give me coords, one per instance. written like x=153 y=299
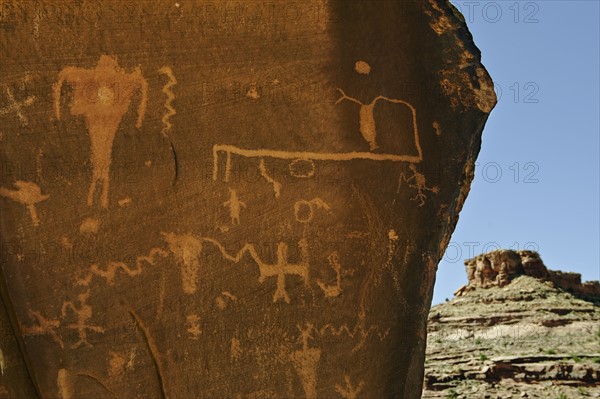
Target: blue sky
x=537 y=178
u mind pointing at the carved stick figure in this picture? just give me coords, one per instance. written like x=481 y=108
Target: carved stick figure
x=283 y=268
x=102 y=95
x=235 y=207
x=420 y=184
x=83 y=313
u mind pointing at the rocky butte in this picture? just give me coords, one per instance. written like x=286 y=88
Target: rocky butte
x=229 y=199
x=516 y=330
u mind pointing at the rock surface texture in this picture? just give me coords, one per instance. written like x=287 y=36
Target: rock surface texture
x=229 y=199
x=527 y=338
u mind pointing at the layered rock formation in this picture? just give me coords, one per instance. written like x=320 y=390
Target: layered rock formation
x=528 y=337
x=500 y=267
x=229 y=199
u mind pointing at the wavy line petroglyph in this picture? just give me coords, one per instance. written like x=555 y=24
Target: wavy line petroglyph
x=235 y=206
x=332 y=291
x=188 y=249
x=28 y=194
x=359 y=331
x=112 y=268
x=168 y=91
x=265 y=174
x=17 y=106
x=349 y=391
x=305 y=362
x=102 y=95
x=171 y=111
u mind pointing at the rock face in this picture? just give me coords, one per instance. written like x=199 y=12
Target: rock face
x=500 y=267
x=528 y=338
x=229 y=199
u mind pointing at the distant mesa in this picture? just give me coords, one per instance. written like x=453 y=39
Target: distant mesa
x=498 y=268
x=516 y=330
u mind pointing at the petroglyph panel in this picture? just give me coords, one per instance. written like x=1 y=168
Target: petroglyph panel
x=227 y=199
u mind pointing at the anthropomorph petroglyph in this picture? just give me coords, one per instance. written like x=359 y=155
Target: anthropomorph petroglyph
x=305 y=362
x=102 y=95
x=28 y=194
x=82 y=314
x=349 y=391
x=366 y=119
x=187 y=250
x=283 y=268
x=235 y=206
x=417 y=181
x=16 y=106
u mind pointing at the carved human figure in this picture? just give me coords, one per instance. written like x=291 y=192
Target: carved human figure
x=366 y=117
x=102 y=95
x=82 y=313
x=235 y=206
x=419 y=183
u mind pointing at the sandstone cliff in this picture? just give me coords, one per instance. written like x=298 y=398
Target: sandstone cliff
x=516 y=330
